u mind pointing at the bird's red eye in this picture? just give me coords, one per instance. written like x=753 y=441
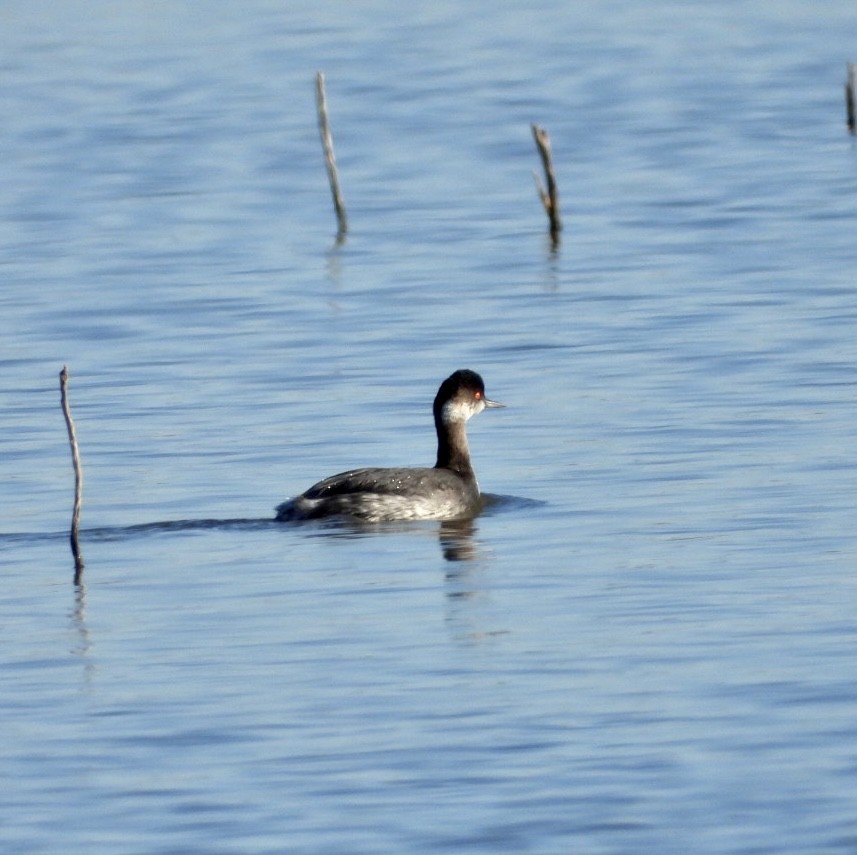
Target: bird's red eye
x=477 y=395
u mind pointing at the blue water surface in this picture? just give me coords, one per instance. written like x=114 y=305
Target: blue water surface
x=646 y=642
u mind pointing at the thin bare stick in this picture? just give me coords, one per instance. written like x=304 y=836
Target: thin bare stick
x=549 y=197
x=78 y=479
x=849 y=98
x=329 y=158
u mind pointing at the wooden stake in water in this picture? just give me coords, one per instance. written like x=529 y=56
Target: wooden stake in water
x=78 y=478
x=329 y=158
x=549 y=196
x=849 y=98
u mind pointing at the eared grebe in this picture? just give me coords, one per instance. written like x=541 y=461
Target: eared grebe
x=448 y=491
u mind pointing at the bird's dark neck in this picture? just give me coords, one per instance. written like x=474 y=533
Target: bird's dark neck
x=452 y=449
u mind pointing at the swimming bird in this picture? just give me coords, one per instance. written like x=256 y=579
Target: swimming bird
x=448 y=490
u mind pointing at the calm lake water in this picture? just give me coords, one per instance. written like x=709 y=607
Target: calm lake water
x=647 y=643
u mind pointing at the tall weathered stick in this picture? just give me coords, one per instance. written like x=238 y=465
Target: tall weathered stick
x=850 y=108
x=78 y=478
x=549 y=197
x=329 y=159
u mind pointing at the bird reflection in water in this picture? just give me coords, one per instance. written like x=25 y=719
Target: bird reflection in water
x=456 y=540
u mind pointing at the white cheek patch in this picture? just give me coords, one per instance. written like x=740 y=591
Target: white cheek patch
x=460 y=411
x=452 y=412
